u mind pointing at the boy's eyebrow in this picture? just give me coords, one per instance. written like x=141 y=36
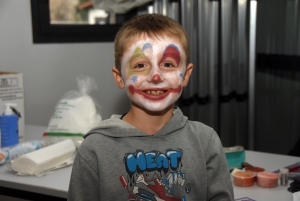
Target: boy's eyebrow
x=173 y=52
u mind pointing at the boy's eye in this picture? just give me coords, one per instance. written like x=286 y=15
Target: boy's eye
x=168 y=65
x=140 y=66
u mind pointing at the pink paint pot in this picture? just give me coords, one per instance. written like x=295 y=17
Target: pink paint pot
x=267 y=179
x=243 y=179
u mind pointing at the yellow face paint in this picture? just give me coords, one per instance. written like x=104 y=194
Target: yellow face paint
x=137 y=54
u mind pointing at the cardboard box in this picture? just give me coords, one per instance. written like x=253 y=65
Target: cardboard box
x=11 y=91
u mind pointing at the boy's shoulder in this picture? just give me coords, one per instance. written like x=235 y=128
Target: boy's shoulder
x=200 y=127
x=112 y=122
x=202 y=132
x=113 y=127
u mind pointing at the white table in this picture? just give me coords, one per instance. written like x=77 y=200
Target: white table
x=57 y=183
x=270 y=162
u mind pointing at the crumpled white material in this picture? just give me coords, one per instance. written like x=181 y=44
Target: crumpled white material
x=45 y=172
x=118 y=6
x=45 y=160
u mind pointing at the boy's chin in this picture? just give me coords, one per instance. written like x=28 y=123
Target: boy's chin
x=154 y=110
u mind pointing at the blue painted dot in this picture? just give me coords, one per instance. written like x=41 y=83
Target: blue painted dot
x=180 y=75
x=134 y=78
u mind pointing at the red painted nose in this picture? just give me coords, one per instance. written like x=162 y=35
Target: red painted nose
x=156 y=78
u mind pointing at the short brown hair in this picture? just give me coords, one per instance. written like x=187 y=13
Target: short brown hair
x=151 y=25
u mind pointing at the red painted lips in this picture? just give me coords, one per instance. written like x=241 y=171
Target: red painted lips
x=154 y=94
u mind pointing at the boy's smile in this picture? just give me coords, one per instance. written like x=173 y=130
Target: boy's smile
x=154 y=94
x=153 y=72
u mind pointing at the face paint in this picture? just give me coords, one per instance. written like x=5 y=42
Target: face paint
x=147 y=46
x=156 y=78
x=153 y=71
x=154 y=95
x=138 y=54
x=172 y=52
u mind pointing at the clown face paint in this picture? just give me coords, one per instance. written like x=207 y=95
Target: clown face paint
x=153 y=72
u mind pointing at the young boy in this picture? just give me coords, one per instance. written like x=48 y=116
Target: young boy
x=153 y=152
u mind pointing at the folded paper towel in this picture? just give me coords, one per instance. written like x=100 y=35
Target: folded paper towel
x=44 y=159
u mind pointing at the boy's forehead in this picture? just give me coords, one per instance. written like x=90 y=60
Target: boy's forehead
x=156 y=43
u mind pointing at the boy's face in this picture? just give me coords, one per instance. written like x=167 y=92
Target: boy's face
x=154 y=72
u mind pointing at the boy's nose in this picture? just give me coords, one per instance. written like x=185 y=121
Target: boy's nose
x=156 y=78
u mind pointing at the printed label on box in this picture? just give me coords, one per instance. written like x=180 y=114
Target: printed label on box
x=11 y=91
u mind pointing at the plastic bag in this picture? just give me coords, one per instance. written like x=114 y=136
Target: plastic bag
x=75 y=114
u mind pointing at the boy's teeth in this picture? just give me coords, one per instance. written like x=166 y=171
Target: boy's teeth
x=154 y=92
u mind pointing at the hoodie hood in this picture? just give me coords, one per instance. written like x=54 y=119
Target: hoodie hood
x=116 y=127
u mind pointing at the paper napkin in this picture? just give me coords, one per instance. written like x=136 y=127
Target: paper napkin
x=45 y=159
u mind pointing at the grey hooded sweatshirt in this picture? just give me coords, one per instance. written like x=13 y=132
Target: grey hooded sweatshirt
x=182 y=161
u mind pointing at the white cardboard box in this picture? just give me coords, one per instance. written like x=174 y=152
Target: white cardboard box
x=12 y=91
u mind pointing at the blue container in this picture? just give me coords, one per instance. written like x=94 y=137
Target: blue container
x=235 y=156
x=9 y=130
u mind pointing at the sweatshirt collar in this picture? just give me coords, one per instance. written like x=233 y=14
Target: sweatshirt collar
x=115 y=127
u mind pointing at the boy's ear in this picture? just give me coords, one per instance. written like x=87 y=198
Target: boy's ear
x=188 y=72
x=118 y=78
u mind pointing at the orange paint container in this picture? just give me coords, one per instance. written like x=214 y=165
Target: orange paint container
x=267 y=179
x=243 y=179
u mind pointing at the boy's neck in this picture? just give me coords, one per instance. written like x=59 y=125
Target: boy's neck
x=146 y=121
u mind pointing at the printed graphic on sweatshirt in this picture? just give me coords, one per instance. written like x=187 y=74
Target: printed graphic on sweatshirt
x=155 y=176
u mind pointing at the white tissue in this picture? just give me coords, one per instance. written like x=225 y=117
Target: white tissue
x=44 y=159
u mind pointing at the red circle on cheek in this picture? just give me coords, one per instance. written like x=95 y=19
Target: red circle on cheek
x=131 y=89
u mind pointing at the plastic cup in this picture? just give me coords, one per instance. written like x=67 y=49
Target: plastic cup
x=243 y=179
x=267 y=179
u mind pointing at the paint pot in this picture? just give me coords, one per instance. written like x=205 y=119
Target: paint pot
x=267 y=179
x=254 y=170
x=243 y=179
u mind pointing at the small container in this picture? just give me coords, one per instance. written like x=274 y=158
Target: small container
x=267 y=179
x=284 y=176
x=243 y=179
x=235 y=156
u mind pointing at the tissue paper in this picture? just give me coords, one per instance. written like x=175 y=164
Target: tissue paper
x=44 y=159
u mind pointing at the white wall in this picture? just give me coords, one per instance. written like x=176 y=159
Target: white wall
x=50 y=70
